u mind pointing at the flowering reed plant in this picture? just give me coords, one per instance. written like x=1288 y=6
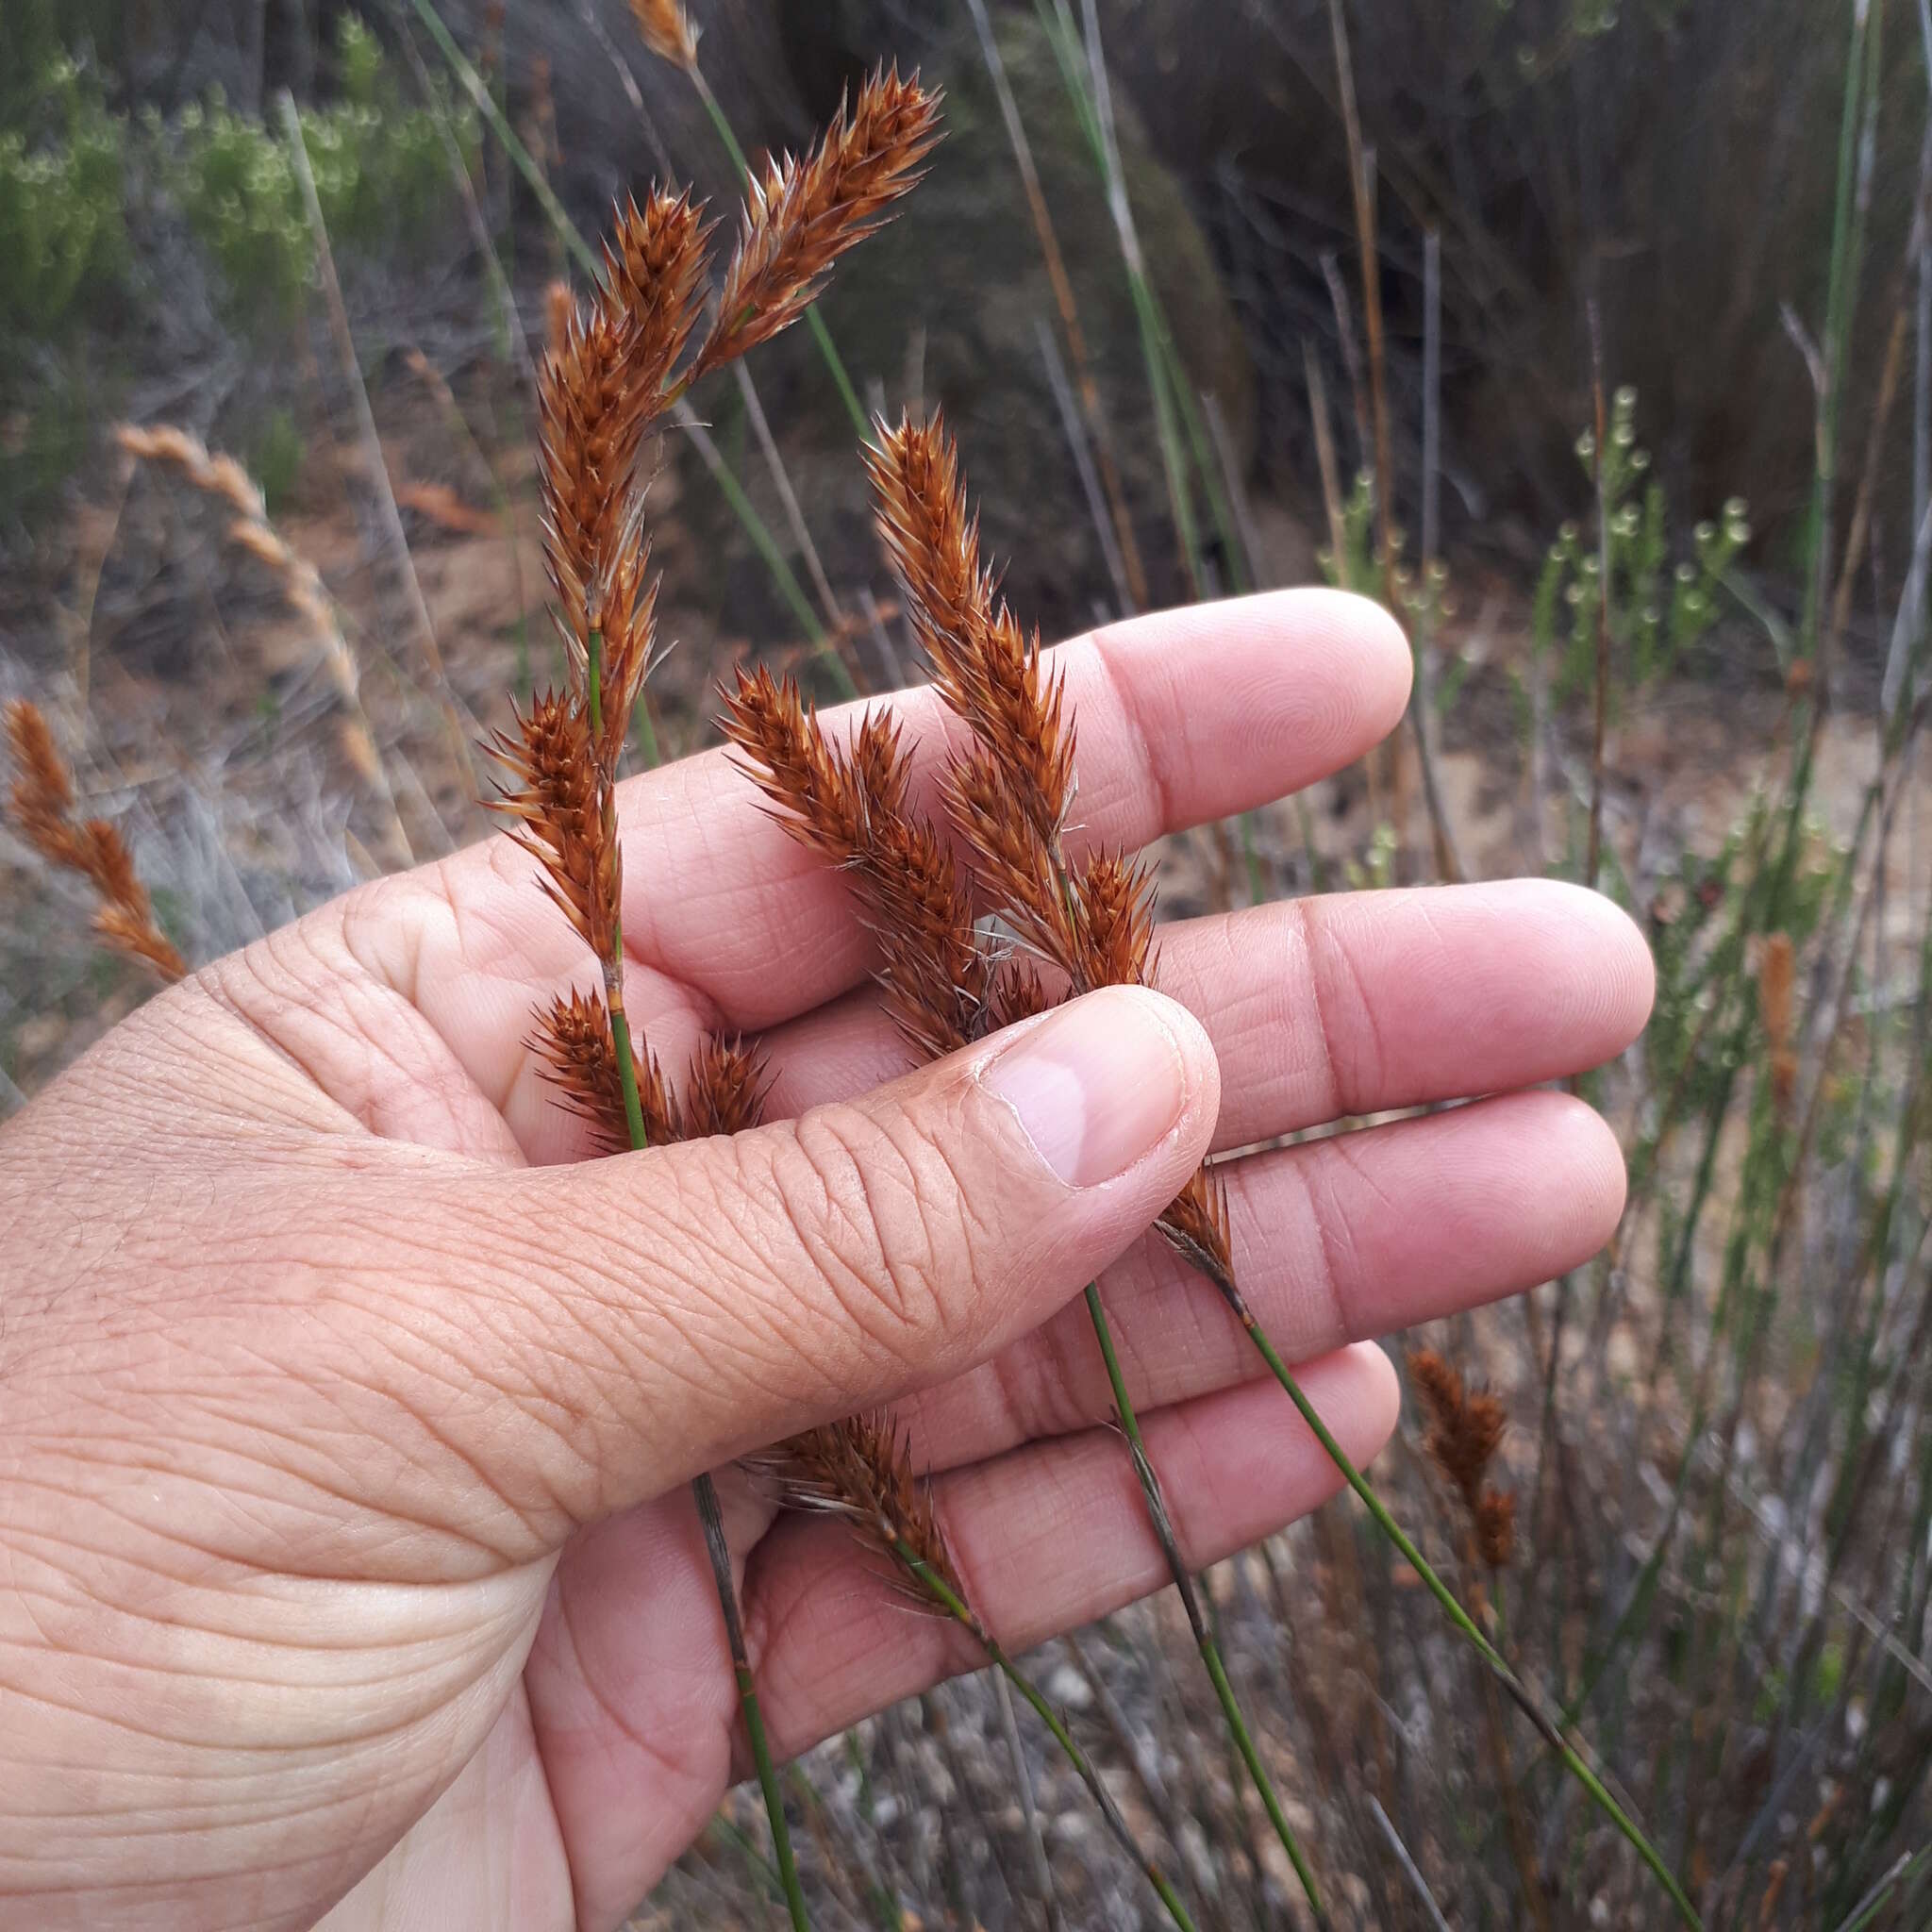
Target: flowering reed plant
x=617 y=361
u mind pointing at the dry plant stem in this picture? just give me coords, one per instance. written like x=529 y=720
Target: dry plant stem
x=1593 y=857
x=1520 y=1692
x=371 y=438
x=1362 y=184
x=1030 y=1811
x=1449 y=867
x=1124 y=545
x=955 y=1607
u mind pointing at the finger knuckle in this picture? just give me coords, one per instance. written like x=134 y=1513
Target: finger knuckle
x=887 y=1223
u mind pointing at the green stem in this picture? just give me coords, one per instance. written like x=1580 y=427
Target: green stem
x=1204 y=1637
x=703 y=1492
x=705 y=1495
x=948 y=1599
x=822 y=335
x=1452 y=1609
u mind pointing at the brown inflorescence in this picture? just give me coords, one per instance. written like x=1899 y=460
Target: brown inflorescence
x=41 y=805
x=1011 y=793
x=860 y=1469
x=665 y=27
x=942 y=982
x=724 y=1088
x=555 y=804
x=1776 y=979
x=1466 y=1429
x=606 y=379
x=802 y=215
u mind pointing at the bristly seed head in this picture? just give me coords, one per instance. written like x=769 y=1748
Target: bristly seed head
x=801 y=216
x=42 y=806
x=725 y=1091
x=849 y=806
x=1466 y=1429
x=862 y=1469
x=665 y=27
x=556 y=807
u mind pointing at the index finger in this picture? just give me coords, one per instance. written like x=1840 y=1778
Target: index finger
x=1182 y=717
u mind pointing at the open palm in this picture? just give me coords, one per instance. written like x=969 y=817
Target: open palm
x=347 y=1429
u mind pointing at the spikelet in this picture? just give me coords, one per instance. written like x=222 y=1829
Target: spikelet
x=938 y=978
x=665 y=27
x=1465 y=1431
x=861 y=1469
x=725 y=1090
x=801 y=216
x=42 y=806
x=1010 y=793
x=556 y=807
x=987 y=669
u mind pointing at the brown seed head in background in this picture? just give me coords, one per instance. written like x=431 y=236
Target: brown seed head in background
x=1465 y=1431
x=41 y=804
x=665 y=27
x=1776 y=977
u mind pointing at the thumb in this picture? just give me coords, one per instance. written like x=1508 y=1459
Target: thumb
x=697 y=1301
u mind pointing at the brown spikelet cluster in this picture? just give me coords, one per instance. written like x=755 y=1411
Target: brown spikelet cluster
x=604 y=383
x=1776 y=977
x=724 y=1088
x=802 y=215
x=613 y=365
x=1010 y=793
x=1465 y=1431
x=665 y=27
x=941 y=984
x=862 y=1469
x=556 y=804
x=42 y=807
x=987 y=668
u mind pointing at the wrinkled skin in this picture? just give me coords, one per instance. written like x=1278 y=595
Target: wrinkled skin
x=345 y=1429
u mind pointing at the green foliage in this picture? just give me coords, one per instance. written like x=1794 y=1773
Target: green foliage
x=381 y=176
x=275 y=458
x=62 y=230
x=1657 y=613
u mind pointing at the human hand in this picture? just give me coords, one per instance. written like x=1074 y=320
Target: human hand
x=345 y=1430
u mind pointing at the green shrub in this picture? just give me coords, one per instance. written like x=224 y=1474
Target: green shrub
x=62 y=234
x=1659 y=612
x=381 y=176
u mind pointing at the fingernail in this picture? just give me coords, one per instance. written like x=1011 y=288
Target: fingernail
x=1096 y=1085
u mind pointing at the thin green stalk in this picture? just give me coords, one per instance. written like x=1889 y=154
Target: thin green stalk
x=948 y=1599
x=814 y=321
x=1452 y=1609
x=705 y=1495
x=1204 y=1638
x=703 y=1492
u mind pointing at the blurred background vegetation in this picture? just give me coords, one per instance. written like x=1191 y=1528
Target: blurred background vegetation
x=1652 y=336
